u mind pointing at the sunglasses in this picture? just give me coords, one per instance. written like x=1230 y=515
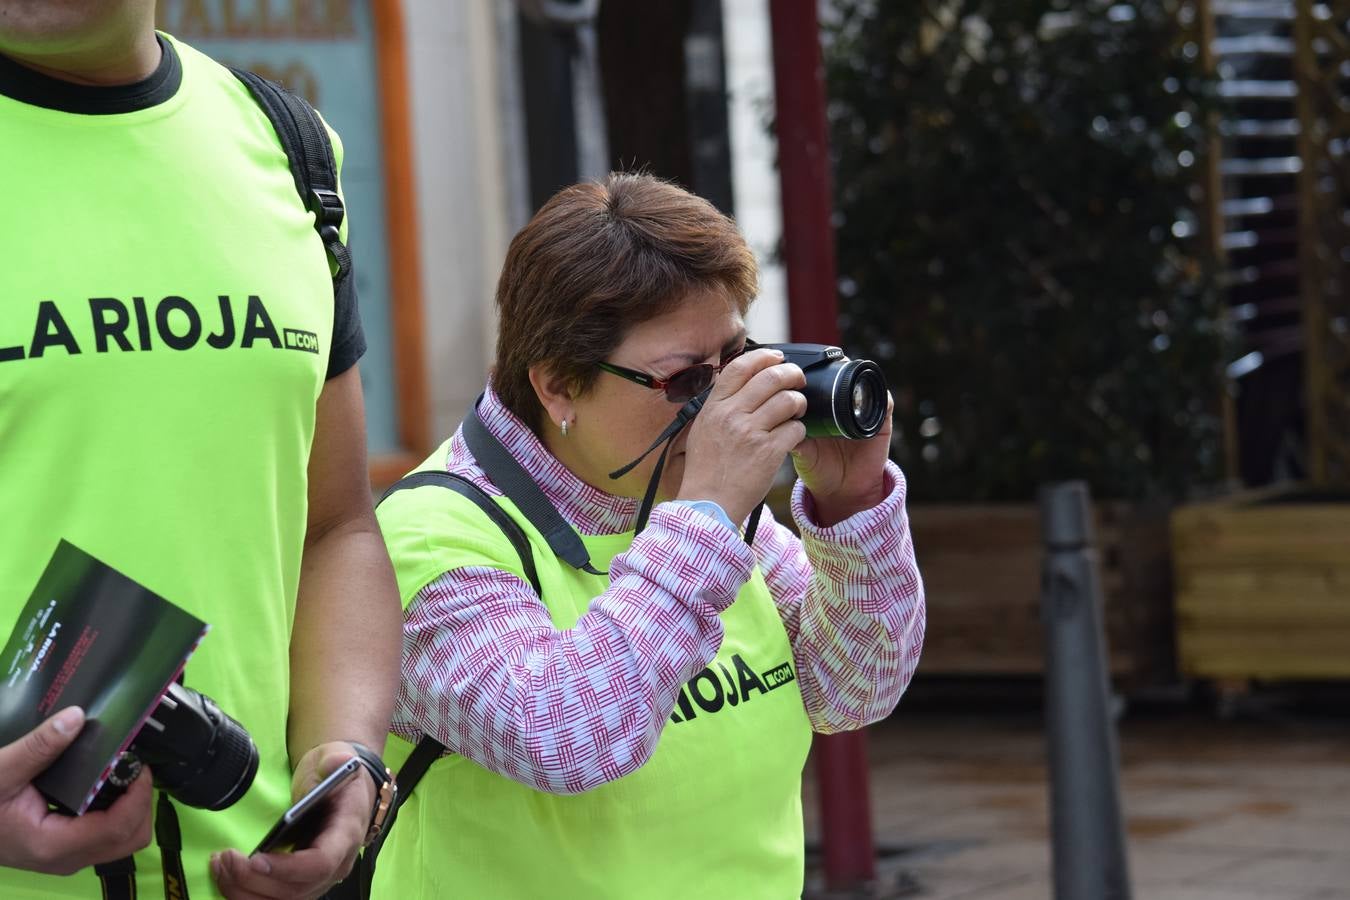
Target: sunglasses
x=680 y=387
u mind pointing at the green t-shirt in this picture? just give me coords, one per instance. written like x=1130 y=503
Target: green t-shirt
x=166 y=327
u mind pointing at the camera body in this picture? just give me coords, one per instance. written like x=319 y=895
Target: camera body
x=844 y=397
x=199 y=755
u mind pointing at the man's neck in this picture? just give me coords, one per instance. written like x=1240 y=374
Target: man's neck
x=100 y=67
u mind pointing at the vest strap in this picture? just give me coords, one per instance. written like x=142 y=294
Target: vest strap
x=466 y=488
x=508 y=474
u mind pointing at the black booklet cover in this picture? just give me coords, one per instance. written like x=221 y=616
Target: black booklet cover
x=90 y=637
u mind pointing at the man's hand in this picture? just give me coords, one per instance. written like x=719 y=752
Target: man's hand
x=37 y=839
x=308 y=871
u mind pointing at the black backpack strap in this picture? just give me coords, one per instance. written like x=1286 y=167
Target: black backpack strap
x=310 y=154
x=427 y=751
x=357 y=885
x=466 y=488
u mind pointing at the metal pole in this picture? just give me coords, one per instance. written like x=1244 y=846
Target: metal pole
x=1089 y=840
x=813 y=310
x=804 y=172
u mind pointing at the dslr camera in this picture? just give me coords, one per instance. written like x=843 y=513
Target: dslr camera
x=199 y=755
x=844 y=397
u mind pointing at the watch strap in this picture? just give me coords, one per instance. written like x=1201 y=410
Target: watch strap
x=386 y=789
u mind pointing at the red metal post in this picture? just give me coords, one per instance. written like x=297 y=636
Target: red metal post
x=804 y=171
x=813 y=310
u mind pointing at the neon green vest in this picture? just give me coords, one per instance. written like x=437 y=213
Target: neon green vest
x=716 y=811
x=151 y=411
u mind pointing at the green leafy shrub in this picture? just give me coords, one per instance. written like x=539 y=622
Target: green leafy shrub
x=1017 y=186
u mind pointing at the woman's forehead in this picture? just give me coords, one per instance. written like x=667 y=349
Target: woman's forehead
x=694 y=330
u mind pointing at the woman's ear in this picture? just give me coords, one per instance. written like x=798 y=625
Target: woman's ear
x=554 y=393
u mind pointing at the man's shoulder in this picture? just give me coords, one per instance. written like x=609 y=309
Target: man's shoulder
x=220 y=77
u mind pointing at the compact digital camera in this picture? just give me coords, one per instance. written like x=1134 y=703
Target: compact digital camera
x=844 y=397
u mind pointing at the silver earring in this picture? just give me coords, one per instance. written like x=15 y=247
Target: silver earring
x=563 y=426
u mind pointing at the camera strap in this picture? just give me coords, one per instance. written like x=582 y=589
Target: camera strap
x=119 y=876
x=667 y=437
x=169 y=837
x=517 y=484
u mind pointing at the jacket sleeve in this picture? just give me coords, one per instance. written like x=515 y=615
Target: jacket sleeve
x=852 y=600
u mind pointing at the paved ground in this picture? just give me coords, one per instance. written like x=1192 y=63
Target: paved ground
x=1256 y=808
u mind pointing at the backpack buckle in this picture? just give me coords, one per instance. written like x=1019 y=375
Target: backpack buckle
x=327 y=206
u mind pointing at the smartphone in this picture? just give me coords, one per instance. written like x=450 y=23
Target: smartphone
x=302 y=822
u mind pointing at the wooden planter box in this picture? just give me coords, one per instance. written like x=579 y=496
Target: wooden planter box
x=981 y=566
x=1263 y=586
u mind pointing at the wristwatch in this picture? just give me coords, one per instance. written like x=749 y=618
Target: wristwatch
x=386 y=789
x=713 y=510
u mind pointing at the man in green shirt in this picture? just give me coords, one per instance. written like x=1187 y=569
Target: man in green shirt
x=156 y=261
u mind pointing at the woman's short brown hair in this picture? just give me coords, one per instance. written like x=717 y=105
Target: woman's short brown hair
x=597 y=259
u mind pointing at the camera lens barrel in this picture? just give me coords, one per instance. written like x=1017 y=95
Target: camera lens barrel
x=845 y=398
x=199 y=755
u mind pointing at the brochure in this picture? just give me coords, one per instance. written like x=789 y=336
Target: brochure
x=92 y=637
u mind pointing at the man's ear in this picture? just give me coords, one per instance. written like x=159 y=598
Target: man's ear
x=554 y=392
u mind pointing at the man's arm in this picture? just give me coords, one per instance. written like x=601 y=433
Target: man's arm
x=348 y=633
x=345 y=650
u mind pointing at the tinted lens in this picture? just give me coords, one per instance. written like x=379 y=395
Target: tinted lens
x=687 y=384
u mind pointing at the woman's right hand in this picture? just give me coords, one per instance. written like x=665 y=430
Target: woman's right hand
x=43 y=841
x=750 y=422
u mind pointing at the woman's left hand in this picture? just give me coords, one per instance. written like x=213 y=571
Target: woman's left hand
x=845 y=477
x=308 y=872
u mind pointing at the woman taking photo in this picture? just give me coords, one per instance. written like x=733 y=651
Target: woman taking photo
x=638 y=727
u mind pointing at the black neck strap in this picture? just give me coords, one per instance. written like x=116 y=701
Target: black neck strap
x=682 y=418
x=516 y=483
x=667 y=437
x=118 y=877
x=170 y=839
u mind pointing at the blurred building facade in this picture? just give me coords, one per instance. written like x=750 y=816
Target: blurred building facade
x=459 y=119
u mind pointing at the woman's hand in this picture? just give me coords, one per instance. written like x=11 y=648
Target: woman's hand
x=43 y=841
x=746 y=427
x=843 y=476
x=309 y=871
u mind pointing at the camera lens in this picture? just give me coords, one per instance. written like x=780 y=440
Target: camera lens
x=859 y=406
x=200 y=756
x=862 y=395
x=844 y=397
